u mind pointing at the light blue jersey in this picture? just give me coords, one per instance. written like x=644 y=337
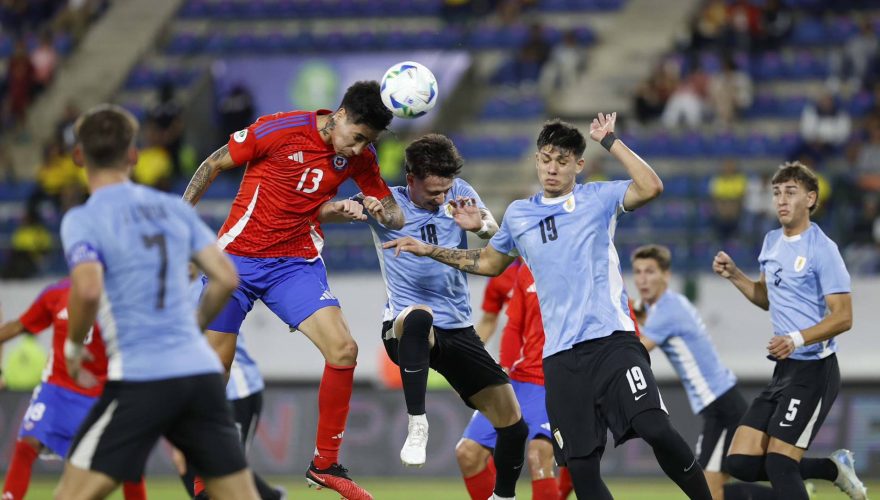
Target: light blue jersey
x=244 y=376
x=144 y=240
x=800 y=271
x=676 y=327
x=568 y=243
x=414 y=280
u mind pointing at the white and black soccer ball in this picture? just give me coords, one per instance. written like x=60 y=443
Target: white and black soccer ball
x=409 y=89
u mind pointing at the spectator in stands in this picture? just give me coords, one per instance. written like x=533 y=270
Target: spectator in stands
x=56 y=175
x=708 y=26
x=688 y=103
x=848 y=64
x=565 y=64
x=651 y=96
x=824 y=127
x=531 y=56
x=167 y=118
x=31 y=242
x=730 y=91
x=44 y=59
x=759 y=213
x=728 y=190
x=236 y=109
x=154 y=167
x=776 y=24
x=19 y=83
x=744 y=24
x=64 y=130
x=867 y=163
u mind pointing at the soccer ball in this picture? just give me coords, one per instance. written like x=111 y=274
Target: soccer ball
x=409 y=89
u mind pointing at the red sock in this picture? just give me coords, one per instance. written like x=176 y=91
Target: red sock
x=565 y=485
x=334 y=395
x=198 y=485
x=134 y=491
x=545 y=489
x=18 y=477
x=481 y=485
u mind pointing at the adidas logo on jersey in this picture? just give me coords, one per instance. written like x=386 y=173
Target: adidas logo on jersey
x=532 y=289
x=62 y=314
x=327 y=296
x=297 y=157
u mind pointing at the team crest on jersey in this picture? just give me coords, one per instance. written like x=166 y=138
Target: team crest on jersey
x=340 y=162
x=799 y=263
x=240 y=136
x=558 y=436
x=569 y=204
x=448 y=209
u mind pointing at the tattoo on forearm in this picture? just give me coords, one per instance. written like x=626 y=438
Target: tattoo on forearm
x=466 y=260
x=393 y=213
x=203 y=177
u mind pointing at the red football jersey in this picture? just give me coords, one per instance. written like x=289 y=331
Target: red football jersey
x=522 y=342
x=50 y=309
x=499 y=288
x=290 y=173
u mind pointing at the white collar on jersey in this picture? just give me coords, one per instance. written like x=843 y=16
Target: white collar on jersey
x=557 y=200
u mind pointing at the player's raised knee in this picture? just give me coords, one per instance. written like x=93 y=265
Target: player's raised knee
x=471 y=456
x=418 y=320
x=343 y=353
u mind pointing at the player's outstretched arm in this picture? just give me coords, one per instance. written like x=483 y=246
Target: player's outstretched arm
x=838 y=320
x=206 y=173
x=9 y=331
x=222 y=281
x=485 y=261
x=755 y=291
x=646 y=184
x=341 y=211
x=486 y=326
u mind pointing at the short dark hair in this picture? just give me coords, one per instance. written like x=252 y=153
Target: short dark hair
x=105 y=133
x=659 y=253
x=562 y=135
x=363 y=104
x=800 y=173
x=433 y=154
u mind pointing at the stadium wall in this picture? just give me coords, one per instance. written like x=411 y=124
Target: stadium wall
x=377 y=428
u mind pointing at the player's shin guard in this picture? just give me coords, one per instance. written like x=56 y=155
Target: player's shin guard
x=510 y=447
x=413 y=354
x=334 y=396
x=545 y=489
x=18 y=477
x=785 y=477
x=818 y=468
x=673 y=453
x=134 y=491
x=481 y=484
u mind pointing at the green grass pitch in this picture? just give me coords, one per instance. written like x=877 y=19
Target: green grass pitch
x=398 y=488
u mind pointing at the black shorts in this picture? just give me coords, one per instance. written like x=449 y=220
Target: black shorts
x=460 y=356
x=247 y=416
x=130 y=417
x=720 y=420
x=595 y=386
x=794 y=405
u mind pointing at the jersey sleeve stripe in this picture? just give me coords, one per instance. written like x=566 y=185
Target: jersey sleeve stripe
x=276 y=121
x=280 y=125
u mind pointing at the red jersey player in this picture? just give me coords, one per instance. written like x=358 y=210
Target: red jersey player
x=60 y=403
x=498 y=292
x=522 y=345
x=295 y=163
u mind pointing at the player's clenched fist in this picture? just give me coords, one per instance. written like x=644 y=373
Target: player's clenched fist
x=723 y=265
x=350 y=209
x=376 y=209
x=408 y=244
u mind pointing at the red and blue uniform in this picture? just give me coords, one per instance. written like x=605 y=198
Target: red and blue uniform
x=59 y=405
x=272 y=232
x=522 y=345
